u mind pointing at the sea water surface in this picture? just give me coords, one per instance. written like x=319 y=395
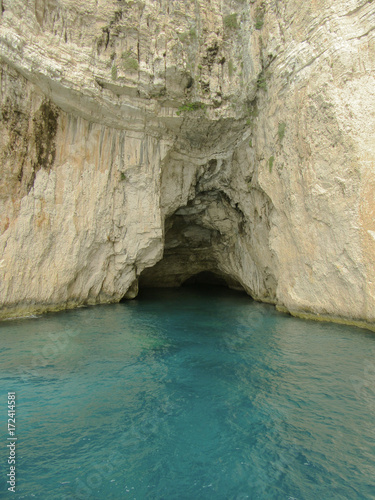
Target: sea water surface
x=188 y=394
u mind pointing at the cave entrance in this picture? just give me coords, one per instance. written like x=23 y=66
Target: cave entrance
x=206 y=278
x=194 y=248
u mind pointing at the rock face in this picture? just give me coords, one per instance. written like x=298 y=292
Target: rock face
x=145 y=142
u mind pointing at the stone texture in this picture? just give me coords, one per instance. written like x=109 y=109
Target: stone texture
x=162 y=139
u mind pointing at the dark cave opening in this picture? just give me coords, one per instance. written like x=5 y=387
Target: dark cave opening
x=201 y=241
x=194 y=248
x=212 y=278
x=205 y=278
x=200 y=284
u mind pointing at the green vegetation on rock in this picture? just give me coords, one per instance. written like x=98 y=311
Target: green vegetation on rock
x=270 y=162
x=187 y=35
x=130 y=63
x=259 y=17
x=114 y=72
x=230 y=22
x=230 y=68
x=192 y=32
x=190 y=106
x=281 y=130
x=262 y=80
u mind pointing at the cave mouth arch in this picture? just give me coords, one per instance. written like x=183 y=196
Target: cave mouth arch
x=195 y=245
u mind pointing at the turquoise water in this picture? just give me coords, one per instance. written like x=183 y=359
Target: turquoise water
x=187 y=394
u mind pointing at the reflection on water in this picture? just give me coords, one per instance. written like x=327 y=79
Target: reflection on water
x=184 y=394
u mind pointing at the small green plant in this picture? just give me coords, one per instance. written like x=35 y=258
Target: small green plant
x=192 y=32
x=200 y=67
x=230 y=68
x=281 y=130
x=270 y=162
x=183 y=37
x=254 y=113
x=114 y=72
x=262 y=81
x=259 y=18
x=191 y=106
x=122 y=176
x=130 y=63
x=230 y=22
x=251 y=143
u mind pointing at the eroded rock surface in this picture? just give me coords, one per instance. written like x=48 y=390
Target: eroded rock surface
x=154 y=140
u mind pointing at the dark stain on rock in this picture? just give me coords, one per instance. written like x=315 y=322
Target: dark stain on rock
x=190 y=82
x=205 y=86
x=211 y=53
x=17 y=124
x=45 y=129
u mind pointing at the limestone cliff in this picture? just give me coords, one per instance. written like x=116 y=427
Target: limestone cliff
x=153 y=140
